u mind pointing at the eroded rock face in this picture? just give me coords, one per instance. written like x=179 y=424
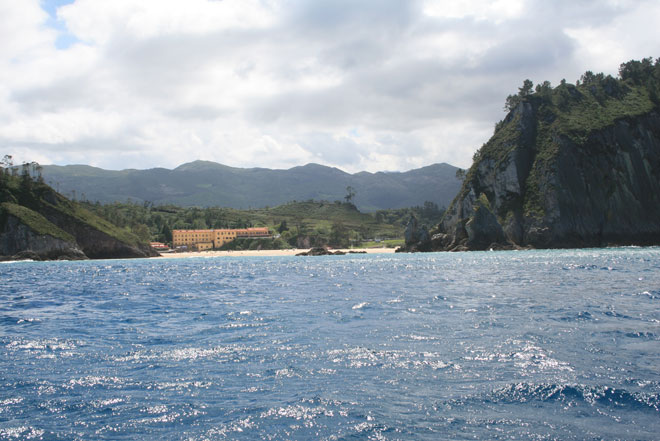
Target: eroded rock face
x=608 y=189
x=50 y=231
x=98 y=245
x=417 y=238
x=549 y=191
x=17 y=240
x=483 y=229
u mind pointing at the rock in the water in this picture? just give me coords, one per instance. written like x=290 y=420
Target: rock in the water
x=321 y=251
x=416 y=238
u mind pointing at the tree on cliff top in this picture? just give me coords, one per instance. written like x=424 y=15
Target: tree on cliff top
x=513 y=100
x=350 y=194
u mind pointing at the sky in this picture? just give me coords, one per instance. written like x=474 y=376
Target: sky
x=369 y=85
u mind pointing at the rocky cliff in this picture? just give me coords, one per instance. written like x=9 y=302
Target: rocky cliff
x=20 y=241
x=574 y=166
x=38 y=223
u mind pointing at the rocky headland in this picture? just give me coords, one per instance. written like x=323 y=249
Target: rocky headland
x=574 y=166
x=38 y=223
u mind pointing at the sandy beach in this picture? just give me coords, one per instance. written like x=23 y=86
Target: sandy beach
x=264 y=253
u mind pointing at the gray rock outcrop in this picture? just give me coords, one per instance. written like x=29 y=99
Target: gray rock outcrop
x=321 y=251
x=416 y=237
x=40 y=224
x=542 y=187
x=18 y=241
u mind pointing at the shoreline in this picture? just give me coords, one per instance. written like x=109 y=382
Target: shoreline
x=266 y=253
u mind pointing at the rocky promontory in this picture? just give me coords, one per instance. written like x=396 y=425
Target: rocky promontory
x=38 y=223
x=573 y=166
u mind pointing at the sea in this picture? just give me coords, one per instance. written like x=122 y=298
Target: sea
x=540 y=345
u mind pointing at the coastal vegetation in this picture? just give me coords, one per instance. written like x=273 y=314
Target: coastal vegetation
x=300 y=224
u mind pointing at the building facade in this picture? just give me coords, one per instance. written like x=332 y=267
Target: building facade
x=208 y=239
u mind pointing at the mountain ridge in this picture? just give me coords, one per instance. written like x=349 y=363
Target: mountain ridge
x=207 y=183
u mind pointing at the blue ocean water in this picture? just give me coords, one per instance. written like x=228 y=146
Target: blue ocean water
x=561 y=344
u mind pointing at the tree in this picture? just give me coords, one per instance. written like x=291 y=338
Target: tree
x=283 y=227
x=301 y=228
x=637 y=71
x=25 y=182
x=460 y=174
x=562 y=96
x=526 y=88
x=430 y=209
x=166 y=232
x=511 y=102
x=350 y=194
x=339 y=235
x=7 y=163
x=544 y=90
x=587 y=78
x=199 y=224
x=38 y=169
x=142 y=232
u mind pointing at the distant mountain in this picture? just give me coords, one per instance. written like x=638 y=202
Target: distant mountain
x=204 y=183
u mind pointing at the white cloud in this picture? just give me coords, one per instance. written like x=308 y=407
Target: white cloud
x=99 y=22
x=631 y=35
x=497 y=11
x=361 y=85
x=21 y=34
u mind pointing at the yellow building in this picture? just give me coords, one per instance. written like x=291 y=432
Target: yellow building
x=208 y=239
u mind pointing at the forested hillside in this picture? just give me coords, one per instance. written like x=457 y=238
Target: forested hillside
x=208 y=184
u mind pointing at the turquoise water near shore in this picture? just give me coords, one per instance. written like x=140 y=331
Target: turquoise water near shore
x=560 y=344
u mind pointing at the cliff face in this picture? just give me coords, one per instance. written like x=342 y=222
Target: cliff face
x=18 y=239
x=91 y=237
x=40 y=224
x=585 y=175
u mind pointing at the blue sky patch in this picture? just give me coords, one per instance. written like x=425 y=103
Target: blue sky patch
x=65 y=39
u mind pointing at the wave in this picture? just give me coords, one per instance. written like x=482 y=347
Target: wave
x=24 y=432
x=575 y=394
x=579 y=316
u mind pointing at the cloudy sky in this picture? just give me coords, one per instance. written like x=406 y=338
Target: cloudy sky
x=357 y=84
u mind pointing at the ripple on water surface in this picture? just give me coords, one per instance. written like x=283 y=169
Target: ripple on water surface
x=501 y=345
